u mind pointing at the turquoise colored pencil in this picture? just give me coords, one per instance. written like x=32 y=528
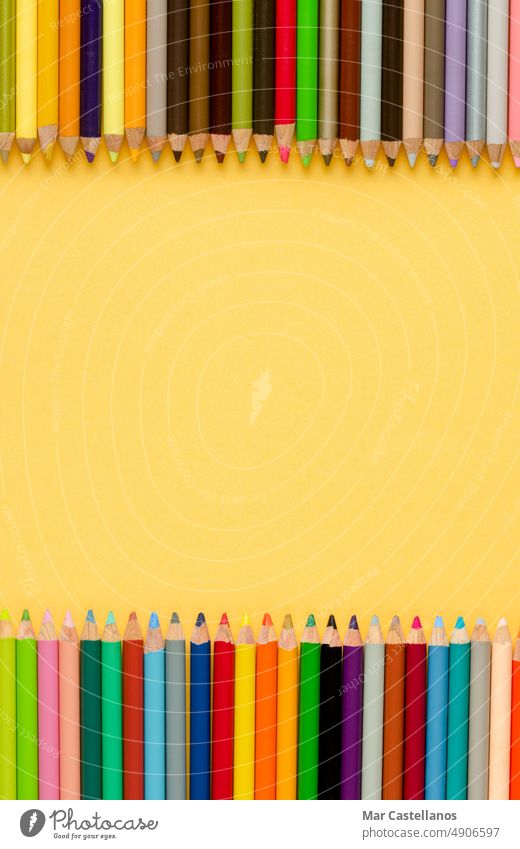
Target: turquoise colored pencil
x=437 y=713
x=111 y=711
x=154 y=712
x=458 y=713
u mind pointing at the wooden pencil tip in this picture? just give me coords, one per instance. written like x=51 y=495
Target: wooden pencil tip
x=132 y=616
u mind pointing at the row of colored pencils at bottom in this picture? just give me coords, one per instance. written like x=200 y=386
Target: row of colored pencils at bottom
x=100 y=717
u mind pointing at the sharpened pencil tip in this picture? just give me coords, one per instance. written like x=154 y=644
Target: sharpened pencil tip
x=311 y=621
x=416 y=624
x=5 y=155
x=287 y=622
x=327 y=158
x=241 y=156
x=177 y=155
x=90 y=615
x=25 y=616
x=439 y=622
x=68 y=621
x=4 y=615
x=453 y=163
x=370 y=163
x=132 y=616
x=475 y=160
x=156 y=155
x=495 y=165
x=134 y=153
x=516 y=160
x=198 y=154
x=175 y=618
x=267 y=621
x=113 y=155
x=47 y=616
x=459 y=624
x=391 y=161
x=395 y=622
x=111 y=619
x=220 y=156
x=374 y=620
x=154 y=620
x=200 y=619
x=245 y=619
x=224 y=619
x=90 y=156
x=263 y=155
x=502 y=623
x=307 y=160
x=284 y=154
x=353 y=624
x=432 y=159
x=412 y=159
x=480 y=621
x=331 y=621
x=26 y=157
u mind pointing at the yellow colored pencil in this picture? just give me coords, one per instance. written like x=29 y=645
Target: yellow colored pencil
x=245 y=679
x=48 y=65
x=113 y=75
x=26 y=76
x=287 y=710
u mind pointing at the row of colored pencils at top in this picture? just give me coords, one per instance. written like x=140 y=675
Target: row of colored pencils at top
x=100 y=717
x=370 y=72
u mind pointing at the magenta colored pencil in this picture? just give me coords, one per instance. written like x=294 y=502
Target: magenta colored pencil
x=455 y=79
x=48 y=711
x=285 y=76
x=352 y=713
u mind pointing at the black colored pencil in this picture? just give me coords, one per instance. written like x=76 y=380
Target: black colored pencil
x=329 y=749
x=178 y=62
x=263 y=76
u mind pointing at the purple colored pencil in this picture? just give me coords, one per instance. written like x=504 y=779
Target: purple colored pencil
x=90 y=77
x=352 y=712
x=455 y=79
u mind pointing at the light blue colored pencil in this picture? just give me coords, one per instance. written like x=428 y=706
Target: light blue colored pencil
x=437 y=713
x=370 y=88
x=154 y=713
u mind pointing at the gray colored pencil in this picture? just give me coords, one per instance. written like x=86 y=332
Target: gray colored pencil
x=175 y=656
x=373 y=705
x=156 y=75
x=476 y=75
x=480 y=679
x=434 y=13
x=328 y=78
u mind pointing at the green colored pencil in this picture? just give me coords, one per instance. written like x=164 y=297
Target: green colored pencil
x=242 y=76
x=27 y=710
x=7 y=708
x=458 y=712
x=307 y=78
x=308 y=727
x=7 y=76
x=90 y=709
x=111 y=711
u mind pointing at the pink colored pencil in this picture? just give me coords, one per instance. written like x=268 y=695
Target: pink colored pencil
x=70 y=759
x=514 y=80
x=285 y=76
x=48 y=711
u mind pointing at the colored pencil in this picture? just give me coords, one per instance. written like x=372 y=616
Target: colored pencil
x=480 y=681
x=309 y=724
x=223 y=703
x=263 y=76
x=244 y=729
x=415 y=713
x=111 y=711
x=497 y=80
x=329 y=744
x=434 y=46
x=287 y=712
x=135 y=74
x=265 y=713
x=177 y=117
x=349 y=78
x=156 y=77
x=113 y=76
x=90 y=709
x=7 y=77
x=413 y=78
x=352 y=712
x=476 y=72
x=154 y=705
x=175 y=655
x=500 y=713
x=26 y=76
x=307 y=78
x=242 y=76
x=371 y=61
x=514 y=781
x=7 y=708
x=133 y=710
x=458 y=713
x=199 y=76
x=437 y=713
x=90 y=79
x=328 y=78
x=455 y=80
x=285 y=76
x=393 y=729
x=68 y=76
x=392 y=79
x=373 y=712
x=220 y=77
x=48 y=53
x=514 y=80
x=69 y=699
x=200 y=702
x=48 y=711
x=26 y=710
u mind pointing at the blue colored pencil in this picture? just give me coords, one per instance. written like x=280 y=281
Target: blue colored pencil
x=458 y=713
x=437 y=713
x=200 y=704
x=154 y=713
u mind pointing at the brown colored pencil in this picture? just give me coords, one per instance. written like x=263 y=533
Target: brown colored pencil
x=349 y=77
x=220 y=77
x=393 y=731
x=392 y=79
x=199 y=76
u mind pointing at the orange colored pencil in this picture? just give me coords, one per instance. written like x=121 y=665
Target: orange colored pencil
x=287 y=707
x=265 y=732
x=135 y=74
x=68 y=96
x=514 y=780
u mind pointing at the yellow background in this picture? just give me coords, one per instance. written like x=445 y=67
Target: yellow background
x=138 y=307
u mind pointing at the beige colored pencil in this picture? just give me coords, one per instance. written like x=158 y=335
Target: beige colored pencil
x=413 y=78
x=500 y=718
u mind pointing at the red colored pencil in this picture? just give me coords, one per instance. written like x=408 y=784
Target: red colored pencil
x=285 y=76
x=223 y=703
x=415 y=713
x=133 y=750
x=514 y=781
